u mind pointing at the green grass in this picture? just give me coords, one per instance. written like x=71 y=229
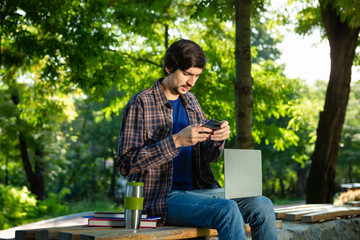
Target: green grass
x=89 y=206
x=85 y=205
x=288 y=201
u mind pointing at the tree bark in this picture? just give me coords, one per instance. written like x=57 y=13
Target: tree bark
x=166 y=36
x=349 y=172
x=343 y=41
x=282 y=186
x=111 y=193
x=6 y=182
x=300 y=188
x=243 y=80
x=35 y=177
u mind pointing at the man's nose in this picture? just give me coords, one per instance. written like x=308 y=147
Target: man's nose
x=191 y=81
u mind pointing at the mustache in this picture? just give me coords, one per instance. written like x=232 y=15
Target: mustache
x=187 y=85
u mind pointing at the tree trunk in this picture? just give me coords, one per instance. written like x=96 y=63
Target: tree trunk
x=166 y=36
x=300 y=188
x=282 y=186
x=243 y=80
x=112 y=189
x=6 y=182
x=36 y=177
x=349 y=172
x=343 y=40
x=39 y=188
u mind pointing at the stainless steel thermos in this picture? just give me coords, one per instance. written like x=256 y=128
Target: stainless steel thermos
x=134 y=199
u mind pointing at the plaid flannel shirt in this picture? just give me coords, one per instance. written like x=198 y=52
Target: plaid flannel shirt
x=146 y=147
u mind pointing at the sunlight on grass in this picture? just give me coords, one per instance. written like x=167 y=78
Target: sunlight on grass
x=90 y=206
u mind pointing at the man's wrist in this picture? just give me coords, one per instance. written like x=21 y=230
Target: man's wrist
x=176 y=141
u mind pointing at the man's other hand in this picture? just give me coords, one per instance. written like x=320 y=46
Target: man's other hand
x=221 y=134
x=191 y=135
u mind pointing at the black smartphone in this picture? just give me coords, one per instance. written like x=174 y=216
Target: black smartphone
x=212 y=124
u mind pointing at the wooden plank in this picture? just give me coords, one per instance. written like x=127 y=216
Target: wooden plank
x=85 y=232
x=66 y=233
x=75 y=234
x=294 y=216
x=52 y=233
x=281 y=212
x=38 y=233
x=331 y=214
x=354 y=203
x=301 y=206
x=159 y=233
x=247 y=227
x=28 y=234
x=278 y=224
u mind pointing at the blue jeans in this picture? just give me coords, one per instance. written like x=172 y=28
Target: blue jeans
x=226 y=216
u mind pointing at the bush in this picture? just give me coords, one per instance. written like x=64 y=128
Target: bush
x=17 y=205
x=53 y=205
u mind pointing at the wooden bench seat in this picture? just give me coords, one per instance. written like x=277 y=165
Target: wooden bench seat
x=309 y=213
x=84 y=232
x=100 y=233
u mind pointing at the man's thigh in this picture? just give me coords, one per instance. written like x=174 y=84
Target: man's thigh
x=256 y=209
x=189 y=209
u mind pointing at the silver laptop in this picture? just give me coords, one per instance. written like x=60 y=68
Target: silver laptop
x=243 y=175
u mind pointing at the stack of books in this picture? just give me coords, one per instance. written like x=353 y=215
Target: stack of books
x=117 y=219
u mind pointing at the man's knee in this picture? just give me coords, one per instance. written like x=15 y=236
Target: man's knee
x=265 y=206
x=227 y=213
x=229 y=209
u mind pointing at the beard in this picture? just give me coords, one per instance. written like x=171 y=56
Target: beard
x=178 y=90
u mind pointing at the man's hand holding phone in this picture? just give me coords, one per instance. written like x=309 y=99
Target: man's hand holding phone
x=191 y=135
x=212 y=124
x=221 y=130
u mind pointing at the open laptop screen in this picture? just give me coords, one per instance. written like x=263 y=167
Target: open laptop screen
x=243 y=173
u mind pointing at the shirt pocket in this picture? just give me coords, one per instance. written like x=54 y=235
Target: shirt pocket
x=156 y=135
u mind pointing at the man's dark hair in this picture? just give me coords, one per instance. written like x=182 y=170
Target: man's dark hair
x=183 y=54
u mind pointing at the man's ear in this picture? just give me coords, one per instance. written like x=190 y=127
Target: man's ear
x=167 y=70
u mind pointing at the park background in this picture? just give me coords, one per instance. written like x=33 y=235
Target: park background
x=68 y=68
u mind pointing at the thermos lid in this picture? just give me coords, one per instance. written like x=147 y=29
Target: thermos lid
x=135 y=184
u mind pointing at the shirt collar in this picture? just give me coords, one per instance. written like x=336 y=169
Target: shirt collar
x=161 y=99
x=159 y=94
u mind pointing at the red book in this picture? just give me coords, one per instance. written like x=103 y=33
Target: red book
x=113 y=222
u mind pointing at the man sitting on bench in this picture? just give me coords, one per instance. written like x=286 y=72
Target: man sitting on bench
x=163 y=144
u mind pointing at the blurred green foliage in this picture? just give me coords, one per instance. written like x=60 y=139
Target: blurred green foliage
x=16 y=205
x=19 y=206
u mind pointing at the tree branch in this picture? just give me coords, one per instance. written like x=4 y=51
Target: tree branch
x=141 y=59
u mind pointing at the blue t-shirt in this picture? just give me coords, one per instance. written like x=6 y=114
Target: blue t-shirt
x=182 y=164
